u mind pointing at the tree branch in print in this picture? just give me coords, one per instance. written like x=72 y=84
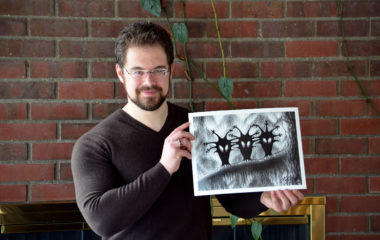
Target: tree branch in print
x=243 y=142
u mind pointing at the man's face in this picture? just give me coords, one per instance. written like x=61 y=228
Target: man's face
x=146 y=90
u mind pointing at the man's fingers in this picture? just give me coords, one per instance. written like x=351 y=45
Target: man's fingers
x=275 y=200
x=185 y=135
x=291 y=197
x=181 y=128
x=281 y=200
x=185 y=154
x=298 y=194
x=285 y=204
x=179 y=133
x=287 y=199
x=186 y=144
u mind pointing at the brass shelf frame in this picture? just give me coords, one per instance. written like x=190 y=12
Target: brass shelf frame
x=41 y=217
x=311 y=210
x=65 y=216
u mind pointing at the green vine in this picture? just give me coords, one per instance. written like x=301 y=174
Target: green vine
x=224 y=83
x=187 y=62
x=219 y=38
x=180 y=34
x=348 y=61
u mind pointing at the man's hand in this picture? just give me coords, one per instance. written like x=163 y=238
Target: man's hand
x=177 y=145
x=281 y=200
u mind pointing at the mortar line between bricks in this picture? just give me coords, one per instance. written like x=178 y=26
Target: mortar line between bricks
x=89 y=111
x=115 y=9
x=364 y=214
x=56 y=171
x=320 y=1
x=349 y=194
x=42 y=182
x=240 y=99
x=28 y=193
x=369 y=27
x=90 y=60
x=27 y=69
x=339 y=167
x=28 y=111
x=189 y=19
x=55 y=8
x=28 y=152
x=229 y=14
x=348 y=136
x=196 y=40
x=35 y=141
x=338 y=156
x=20 y=17
x=208 y=59
x=368 y=184
x=58 y=80
x=55 y=90
x=28 y=31
x=38 y=162
x=89 y=28
x=228 y=60
x=60 y=101
x=47 y=122
x=339 y=87
x=58 y=131
x=60 y=38
x=89 y=70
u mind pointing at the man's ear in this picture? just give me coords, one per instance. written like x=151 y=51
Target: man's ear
x=119 y=72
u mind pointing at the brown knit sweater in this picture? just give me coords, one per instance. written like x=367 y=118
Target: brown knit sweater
x=124 y=192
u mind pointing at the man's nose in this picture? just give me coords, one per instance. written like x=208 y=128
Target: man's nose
x=148 y=78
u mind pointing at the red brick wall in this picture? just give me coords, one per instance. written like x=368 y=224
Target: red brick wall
x=57 y=80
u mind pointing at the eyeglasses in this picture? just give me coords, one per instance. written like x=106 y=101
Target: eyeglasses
x=155 y=74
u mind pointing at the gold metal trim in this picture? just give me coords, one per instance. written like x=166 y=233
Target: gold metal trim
x=263 y=220
x=317 y=229
x=311 y=210
x=65 y=216
x=51 y=227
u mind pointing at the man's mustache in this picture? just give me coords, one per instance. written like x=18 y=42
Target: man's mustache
x=157 y=88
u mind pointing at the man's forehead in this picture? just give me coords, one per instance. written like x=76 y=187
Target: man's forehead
x=136 y=67
x=147 y=56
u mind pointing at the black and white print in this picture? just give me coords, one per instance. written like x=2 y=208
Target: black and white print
x=253 y=150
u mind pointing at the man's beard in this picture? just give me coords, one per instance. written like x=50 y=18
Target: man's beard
x=148 y=103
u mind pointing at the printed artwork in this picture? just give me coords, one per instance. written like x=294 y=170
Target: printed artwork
x=253 y=150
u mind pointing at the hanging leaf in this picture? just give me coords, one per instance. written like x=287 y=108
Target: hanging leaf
x=180 y=32
x=226 y=86
x=256 y=229
x=234 y=220
x=152 y=6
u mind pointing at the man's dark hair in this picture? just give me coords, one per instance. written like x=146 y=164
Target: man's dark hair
x=140 y=34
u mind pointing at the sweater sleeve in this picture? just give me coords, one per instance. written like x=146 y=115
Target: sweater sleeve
x=107 y=207
x=245 y=205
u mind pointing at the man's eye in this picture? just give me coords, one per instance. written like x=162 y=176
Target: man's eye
x=158 y=72
x=138 y=73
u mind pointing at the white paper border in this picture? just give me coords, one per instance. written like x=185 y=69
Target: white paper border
x=253 y=189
